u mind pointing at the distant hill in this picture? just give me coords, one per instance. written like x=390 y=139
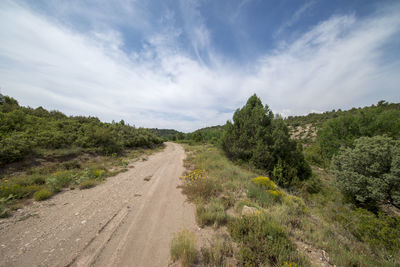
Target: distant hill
x=324 y=134
x=166 y=134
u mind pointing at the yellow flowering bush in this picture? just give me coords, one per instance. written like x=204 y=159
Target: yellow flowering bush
x=197 y=184
x=276 y=195
x=265 y=182
x=290 y=264
x=194 y=176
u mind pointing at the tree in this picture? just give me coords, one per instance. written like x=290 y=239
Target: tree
x=257 y=137
x=369 y=174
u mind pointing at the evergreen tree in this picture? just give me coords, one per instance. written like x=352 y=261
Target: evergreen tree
x=257 y=137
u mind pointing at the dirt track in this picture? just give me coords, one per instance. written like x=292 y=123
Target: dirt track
x=126 y=221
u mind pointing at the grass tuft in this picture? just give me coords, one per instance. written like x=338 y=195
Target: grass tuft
x=86 y=184
x=42 y=194
x=211 y=214
x=183 y=248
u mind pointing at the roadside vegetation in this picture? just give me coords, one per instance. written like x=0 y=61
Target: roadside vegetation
x=344 y=213
x=44 y=152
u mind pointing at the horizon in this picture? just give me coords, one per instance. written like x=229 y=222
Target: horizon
x=186 y=65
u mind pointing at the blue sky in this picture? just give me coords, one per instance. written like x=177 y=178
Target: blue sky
x=189 y=64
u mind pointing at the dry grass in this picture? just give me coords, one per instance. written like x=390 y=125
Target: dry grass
x=316 y=215
x=183 y=248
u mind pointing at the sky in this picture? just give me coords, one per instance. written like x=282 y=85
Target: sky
x=186 y=64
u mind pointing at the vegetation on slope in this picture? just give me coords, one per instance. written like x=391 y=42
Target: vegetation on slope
x=25 y=132
x=42 y=152
x=344 y=216
x=168 y=134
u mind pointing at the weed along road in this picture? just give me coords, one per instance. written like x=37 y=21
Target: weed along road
x=129 y=220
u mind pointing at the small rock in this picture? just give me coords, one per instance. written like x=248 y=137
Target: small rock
x=83 y=222
x=248 y=210
x=76 y=214
x=77 y=240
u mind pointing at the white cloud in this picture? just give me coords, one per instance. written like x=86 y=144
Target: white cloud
x=295 y=17
x=336 y=64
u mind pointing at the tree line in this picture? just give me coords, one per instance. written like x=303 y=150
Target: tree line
x=25 y=131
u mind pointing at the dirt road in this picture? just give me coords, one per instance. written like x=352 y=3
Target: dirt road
x=126 y=221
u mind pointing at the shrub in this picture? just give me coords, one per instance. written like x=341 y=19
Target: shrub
x=265 y=183
x=312 y=185
x=196 y=184
x=15 y=147
x=17 y=191
x=89 y=183
x=262 y=242
x=69 y=165
x=380 y=231
x=183 y=248
x=369 y=174
x=260 y=195
x=59 y=180
x=42 y=194
x=264 y=191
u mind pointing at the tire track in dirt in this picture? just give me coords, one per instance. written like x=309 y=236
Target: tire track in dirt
x=126 y=221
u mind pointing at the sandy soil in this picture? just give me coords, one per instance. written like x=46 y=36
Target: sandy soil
x=129 y=220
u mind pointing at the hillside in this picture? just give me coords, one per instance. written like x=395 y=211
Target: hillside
x=375 y=119
x=44 y=152
x=166 y=134
x=27 y=132
x=346 y=213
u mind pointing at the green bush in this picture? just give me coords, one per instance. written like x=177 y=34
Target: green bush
x=42 y=194
x=260 y=195
x=17 y=191
x=369 y=174
x=15 y=147
x=59 y=180
x=257 y=137
x=312 y=185
x=379 y=231
x=86 y=184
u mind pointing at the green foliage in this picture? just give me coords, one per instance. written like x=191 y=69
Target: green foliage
x=211 y=135
x=26 y=131
x=88 y=183
x=342 y=130
x=380 y=232
x=256 y=136
x=263 y=242
x=183 y=248
x=264 y=192
x=369 y=174
x=211 y=214
x=312 y=185
x=168 y=134
x=42 y=194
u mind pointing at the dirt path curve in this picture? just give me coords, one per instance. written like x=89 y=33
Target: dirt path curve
x=126 y=221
